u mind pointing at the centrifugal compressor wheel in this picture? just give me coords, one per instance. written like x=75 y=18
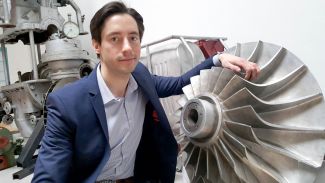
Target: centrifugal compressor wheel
x=267 y=130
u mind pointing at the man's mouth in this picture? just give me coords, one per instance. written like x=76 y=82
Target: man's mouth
x=127 y=59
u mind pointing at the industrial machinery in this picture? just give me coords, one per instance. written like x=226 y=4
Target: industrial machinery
x=35 y=23
x=229 y=129
x=176 y=54
x=267 y=130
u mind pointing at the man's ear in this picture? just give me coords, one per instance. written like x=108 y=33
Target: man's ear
x=97 y=46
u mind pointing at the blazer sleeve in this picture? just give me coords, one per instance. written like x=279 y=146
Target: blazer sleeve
x=55 y=155
x=168 y=86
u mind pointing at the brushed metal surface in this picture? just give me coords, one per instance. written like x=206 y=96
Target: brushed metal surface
x=271 y=129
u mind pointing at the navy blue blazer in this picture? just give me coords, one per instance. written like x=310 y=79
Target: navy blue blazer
x=75 y=145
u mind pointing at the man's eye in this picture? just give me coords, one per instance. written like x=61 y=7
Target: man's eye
x=114 y=39
x=134 y=38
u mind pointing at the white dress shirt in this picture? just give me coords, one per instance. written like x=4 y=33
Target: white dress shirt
x=125 y=116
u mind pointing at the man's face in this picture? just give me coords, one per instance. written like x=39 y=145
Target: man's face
x=120 y=46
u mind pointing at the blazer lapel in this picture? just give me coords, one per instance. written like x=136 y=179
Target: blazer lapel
x=148 y=88
x=97 y=101
x=143 y=82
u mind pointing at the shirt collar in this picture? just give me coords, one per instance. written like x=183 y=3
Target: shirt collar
x=106 y=93
x=132 y=86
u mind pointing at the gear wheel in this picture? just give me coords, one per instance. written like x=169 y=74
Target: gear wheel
x=267 y=130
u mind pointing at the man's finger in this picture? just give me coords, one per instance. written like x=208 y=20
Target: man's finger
x=248 y=74
x=235 y=68
x=254 y=75
x=255 y=72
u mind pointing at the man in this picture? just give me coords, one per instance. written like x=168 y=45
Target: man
x=110 y=126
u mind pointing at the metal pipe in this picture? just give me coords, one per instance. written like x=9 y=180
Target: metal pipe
x=39 y=55
x=189 y=50
x=148 y=59
x=5 y=63
x=6 y=11
x=185 y=37
x=79 y=16
x=32 y=49
x=199 y=37
x=158 y=41
x=224 y=44
x=45 y=3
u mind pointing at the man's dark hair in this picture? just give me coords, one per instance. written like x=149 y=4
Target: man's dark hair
x=108 y=10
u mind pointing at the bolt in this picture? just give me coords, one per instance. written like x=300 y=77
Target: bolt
x=33 y=119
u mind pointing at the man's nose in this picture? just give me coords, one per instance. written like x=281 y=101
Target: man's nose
x=126 y=45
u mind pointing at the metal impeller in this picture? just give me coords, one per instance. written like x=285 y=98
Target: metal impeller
x=267 y=130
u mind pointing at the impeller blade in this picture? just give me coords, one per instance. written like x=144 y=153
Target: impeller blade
x=306 y=145
x=251 y=118
x=188 y=91
x=245 y=97
x=214 y=76
x=223 y=79
x=260 y=90
x=204 y=80
x=196 y=84
x=254 y=55
x=270 y=129
x=271 y=65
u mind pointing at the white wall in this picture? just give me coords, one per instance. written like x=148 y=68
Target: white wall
x=298 y=25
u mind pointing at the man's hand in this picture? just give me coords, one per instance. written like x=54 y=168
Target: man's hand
x=239 y=64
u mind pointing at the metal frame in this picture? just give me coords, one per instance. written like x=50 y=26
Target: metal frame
x=27 y=159
x=5 y=63
x=183 y=39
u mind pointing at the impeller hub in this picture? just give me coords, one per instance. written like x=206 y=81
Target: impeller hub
x=201 y=119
